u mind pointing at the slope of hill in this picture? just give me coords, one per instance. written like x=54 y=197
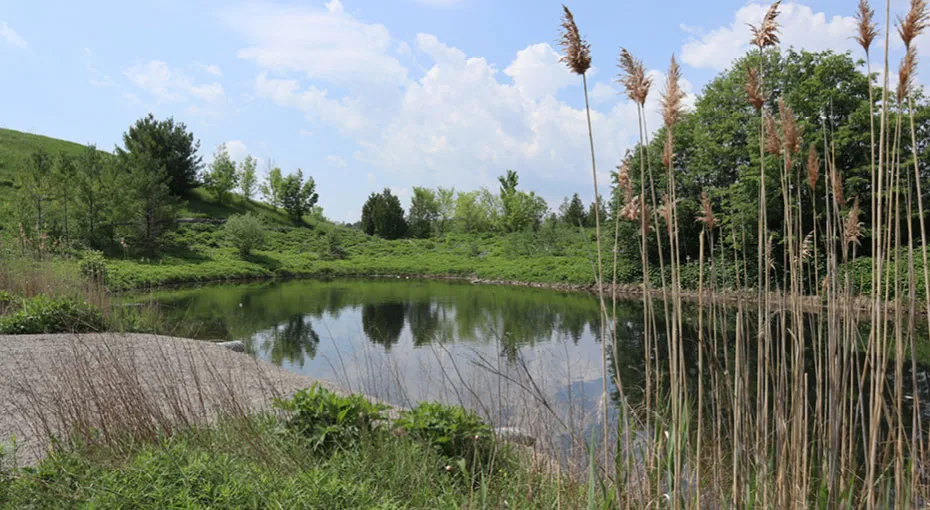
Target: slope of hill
x=16 y=147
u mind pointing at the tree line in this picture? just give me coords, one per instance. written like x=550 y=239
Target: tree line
x=438 y=211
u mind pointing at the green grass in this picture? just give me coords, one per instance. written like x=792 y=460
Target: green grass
x=15 y=150
x=254 y=463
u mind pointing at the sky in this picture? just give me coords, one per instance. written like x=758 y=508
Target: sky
x=368 y=94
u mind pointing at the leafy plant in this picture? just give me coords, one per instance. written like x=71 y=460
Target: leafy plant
x=455 y=432
x=42 y=314
x=245 y=232
x=330 y=420
x=8 y=302
x=93 y=267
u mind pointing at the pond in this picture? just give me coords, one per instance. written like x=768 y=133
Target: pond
x=524 y=357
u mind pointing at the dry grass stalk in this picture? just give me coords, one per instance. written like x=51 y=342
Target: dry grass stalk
x=707 y=212
x=867 y=31
x=754 y=88
x=633 y=77
x=766 y=34
x=813 y=167
x=853 y=229
x=624 y=182
x=667 y=155
x=807 y=245
x=672 y=96
x=914 y=23
x=577 y=50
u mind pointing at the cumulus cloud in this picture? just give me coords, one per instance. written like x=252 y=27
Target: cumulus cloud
x=170 y=85
x=237 y=150
x=801 y=27
x=462 y=122
x=326 y=44
x=12 y=37
x=537 y=72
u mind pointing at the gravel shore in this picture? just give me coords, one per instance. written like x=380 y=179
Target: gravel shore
x=49 y=383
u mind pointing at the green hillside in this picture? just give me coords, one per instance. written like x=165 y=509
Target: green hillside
x=16 y=148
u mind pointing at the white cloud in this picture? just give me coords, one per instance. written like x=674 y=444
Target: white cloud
x=167 y=84
x=237 y=150
x=537 y=71
x=212 y=69
x=801 y=27
x=12 y=37
x=325 y=44
x=346 y=113
x=461 y=123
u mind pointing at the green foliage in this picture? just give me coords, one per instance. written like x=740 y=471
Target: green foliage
x=382 y=215
x=329 y=420
x=245 y=232
x=151 y=208
x=247 y=182
x=298 y=197
x=93 y=267
x=334 y=247
x=8 y=302
x=271 y=188
x=455 y=432
x=42 y=314
x=572 y=212
x=424 y=212
x=169 y=146
x=222 y=176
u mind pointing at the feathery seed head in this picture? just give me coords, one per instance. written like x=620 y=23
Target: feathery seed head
x=914 y=22
x=753 y=88
x=577 y=51
x=867 y=28
x=772 y=139
x=813 y=167
x=633 y=77
x=667 y=155
x=766 y=34
x=707 y=218
x=837 y=187
x=789 y=127
x=853 y=230
x=906 y=74
x=672 y=95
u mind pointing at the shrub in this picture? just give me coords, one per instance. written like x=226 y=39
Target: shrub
x=8 y=302
x=328 y=419
x=42 y=314
x=455 y=432
x=334 y=249
x=93 y=266
x=245 y=232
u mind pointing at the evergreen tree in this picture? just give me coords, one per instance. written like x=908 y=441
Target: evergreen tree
x=169 y=146
x=382 y=215
x=572 y=212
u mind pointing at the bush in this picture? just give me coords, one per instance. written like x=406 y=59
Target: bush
x=328 y=419
x=93 y=267
x=245 y=232
x=8 y=302
x=334 y=249
x=42 y=314
x=456 y=433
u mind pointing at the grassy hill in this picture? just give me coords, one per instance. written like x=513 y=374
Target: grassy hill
x=16 y=148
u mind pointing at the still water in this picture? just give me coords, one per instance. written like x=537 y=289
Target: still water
x=521 y=356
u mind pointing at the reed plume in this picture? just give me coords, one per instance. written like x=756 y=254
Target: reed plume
x=707 y=216
x=789 y=128
x=813 y=167
x=773 y=143
x=838 y=187
x=672 y=96
x=754 y=88
x=624 y=182
x=633 y=77
x=766 y=34
x=867 y=27
x=914 y=23
x=906 y=74
x=853 y=229
x=577 y=51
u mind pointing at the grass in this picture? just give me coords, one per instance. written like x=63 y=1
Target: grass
x=15 y=149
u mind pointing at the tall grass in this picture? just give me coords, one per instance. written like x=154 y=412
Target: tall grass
x=821 y=415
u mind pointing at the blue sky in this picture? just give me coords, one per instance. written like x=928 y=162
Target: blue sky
x=367 y=94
